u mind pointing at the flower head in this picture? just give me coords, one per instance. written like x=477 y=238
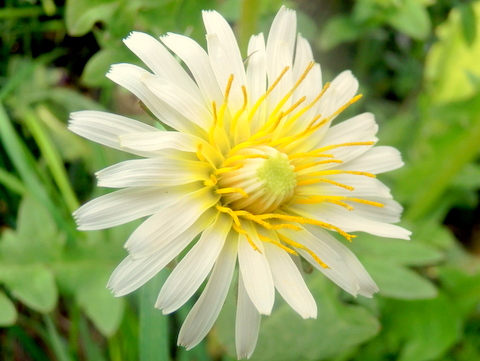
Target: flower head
x=254 y=168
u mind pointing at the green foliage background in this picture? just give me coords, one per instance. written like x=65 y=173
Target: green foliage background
x=418 y=62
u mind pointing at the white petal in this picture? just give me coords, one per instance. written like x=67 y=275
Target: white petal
x=165 y=225
x=363 y=187
x=256 y=271
x=132 y=273
x=178 y=99
x=161 y=62
x=223 y=67
x=389 y=213
x=247 y=324
x=256 y=77
x=206 y=310
x=126 y=205
x=159 y=141
x=349 y=221
x=279 y=52
x=341 y=90
x=129 y=76
x=361 y=128
x=289 y=282
x=105 y=128
x=344 y=268
x=192 y=270
x=153 y=172
x=224 y=55
x=376 y=160
x=198 y=63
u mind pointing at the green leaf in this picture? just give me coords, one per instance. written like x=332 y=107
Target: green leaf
x=401 y=252
x=452 y=61
x=340 y=29
x=8 y=313
x=81 y=15
x=463 y=286
x=398 y=282
x=411 y=18
x=32 y=284
x=103 y=309
x=469 y=23
x=285 y=336
x=36 y=239
x=424 y=330
x=99 y=64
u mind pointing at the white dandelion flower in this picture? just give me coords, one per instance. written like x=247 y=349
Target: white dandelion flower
x=254 y=169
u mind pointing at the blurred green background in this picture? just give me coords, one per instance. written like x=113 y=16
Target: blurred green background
x=418 y=62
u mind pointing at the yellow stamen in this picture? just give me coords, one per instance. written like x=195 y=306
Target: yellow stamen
x=247 y=144
x=333 y=146
x=290 y=93
x=259 y=219
x=306 y=249
x=221 y=113
x=276 y=243
x=308 y=107
x=237 y=115
x=199 y=153
x=313 y=164
x=340 y=171
x=230 y=212
x=232 y=190
x=211 y=132
x=320 y=199
x=318 y=180
x=242 y=231
x=337 y=200
x=312 y=154
x=242 y=157
x=303 y=220
x=213 y=181
x=228 y=169
x=266 y=94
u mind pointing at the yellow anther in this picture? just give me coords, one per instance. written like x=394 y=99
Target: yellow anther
x=340 y=171
x=365 y=201
x=229 y=212
x=237 y=115
x=308 y=107
x=242 y=231
x=306 y=249
x=211 y=182
x=313 y=164
x=345 y=106
x=221 y=112
x=312 y=154
x=242 y=157
x=261 y=99
x=260 y=220
x=232 y=190
x=321 y=199
x=282 y=102
x=303 y=220
x=199 y=153
x=333 y=146
x=228 y=169
x=324 y=180
x=276 y=243
x=211 y=132
x=248 y=143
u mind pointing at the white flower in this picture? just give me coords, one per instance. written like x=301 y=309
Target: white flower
x=254 y=167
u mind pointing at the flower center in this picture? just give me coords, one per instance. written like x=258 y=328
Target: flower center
x=259 y=180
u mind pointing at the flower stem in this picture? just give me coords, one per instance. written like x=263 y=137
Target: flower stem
x=248 y=24
x=153 y=337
